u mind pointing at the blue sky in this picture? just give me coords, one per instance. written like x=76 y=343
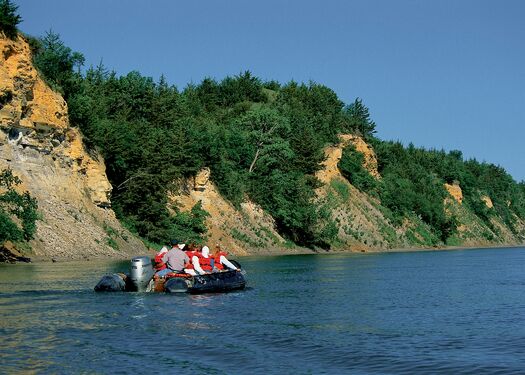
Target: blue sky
x=441 y=74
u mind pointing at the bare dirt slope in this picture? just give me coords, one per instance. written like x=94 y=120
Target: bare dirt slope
x=244 y=230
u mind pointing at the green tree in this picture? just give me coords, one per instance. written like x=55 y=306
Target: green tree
x=57 y=63
x=358 y=118
x=191 y=225
x=244 y=87
x=351 y=167
x=13 y=204
x=266 y=130
x=9 y=19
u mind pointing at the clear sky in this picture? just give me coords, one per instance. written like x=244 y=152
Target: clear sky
x=441 y=74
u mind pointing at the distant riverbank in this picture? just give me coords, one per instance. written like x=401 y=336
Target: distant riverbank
x=282 y=251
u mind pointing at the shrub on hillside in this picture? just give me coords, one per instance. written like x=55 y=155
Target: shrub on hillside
x=13 y=205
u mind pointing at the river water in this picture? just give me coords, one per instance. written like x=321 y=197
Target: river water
x=426 y=312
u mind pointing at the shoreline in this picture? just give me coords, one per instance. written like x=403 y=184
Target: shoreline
x=278 y=252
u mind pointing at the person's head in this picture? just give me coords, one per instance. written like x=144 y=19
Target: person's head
x=174 y=243
x=217 y=248
x=205 y=251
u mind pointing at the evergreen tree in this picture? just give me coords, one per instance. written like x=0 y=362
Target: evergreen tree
x=359 y=120
x=57 y=63
x=9 y=19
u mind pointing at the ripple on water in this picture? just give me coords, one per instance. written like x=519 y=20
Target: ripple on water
x=435 y=312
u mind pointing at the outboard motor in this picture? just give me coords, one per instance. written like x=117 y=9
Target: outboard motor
x=141 y=274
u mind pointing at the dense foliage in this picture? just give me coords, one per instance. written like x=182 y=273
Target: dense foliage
x=262 y=141
x=18 y=212
x=9 y=19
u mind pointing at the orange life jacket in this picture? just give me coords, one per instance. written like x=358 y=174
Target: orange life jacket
x=159 y=264
x=217 y=258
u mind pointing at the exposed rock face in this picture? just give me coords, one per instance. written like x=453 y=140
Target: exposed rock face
x=488 y=202
x=10 y=254
x=333 y=155
x=455 y=192
x=201 y=179
x=27 y=103
x=70 y=184
x=363 y=226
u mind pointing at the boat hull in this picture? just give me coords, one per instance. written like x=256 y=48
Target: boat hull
x=217 y=282
x=209 y=283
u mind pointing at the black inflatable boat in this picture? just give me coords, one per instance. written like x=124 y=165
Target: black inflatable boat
x=209 y=283
x=141 y=279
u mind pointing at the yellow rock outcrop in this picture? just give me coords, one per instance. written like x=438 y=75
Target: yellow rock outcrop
x=69 y=183
x=333 y=156
x=27 y=102
x=488 y=202
x=370 y=159
x=455 y=192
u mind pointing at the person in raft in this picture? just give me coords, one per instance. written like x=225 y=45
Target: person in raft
x=202 y=262
x=174 y=259
x=220 y=260
x=159 y=265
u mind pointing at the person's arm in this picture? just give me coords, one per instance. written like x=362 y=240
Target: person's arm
x=197 y=265
x=227 y=263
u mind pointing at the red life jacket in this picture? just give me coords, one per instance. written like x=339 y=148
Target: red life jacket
x=205 y=263
x=189 y=265
x=217 y=258
x=159 y=264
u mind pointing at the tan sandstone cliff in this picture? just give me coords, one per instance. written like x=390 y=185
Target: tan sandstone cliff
x=70 y=184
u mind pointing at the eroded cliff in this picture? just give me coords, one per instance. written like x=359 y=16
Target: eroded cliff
x=363 y=224
x=47 y=154
x=248 y=230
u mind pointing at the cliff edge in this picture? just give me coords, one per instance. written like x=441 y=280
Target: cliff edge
x=47 y=154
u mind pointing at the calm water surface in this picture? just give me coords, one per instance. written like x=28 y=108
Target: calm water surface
x=428 y=312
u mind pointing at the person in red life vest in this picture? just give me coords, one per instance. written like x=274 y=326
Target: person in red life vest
x=201 y=262
x=220 y=260
x=189 y=267
x=159 y=264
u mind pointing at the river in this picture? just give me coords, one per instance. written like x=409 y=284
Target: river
x=459 y=311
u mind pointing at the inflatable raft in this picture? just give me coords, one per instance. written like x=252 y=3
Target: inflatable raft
x=141 y=279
